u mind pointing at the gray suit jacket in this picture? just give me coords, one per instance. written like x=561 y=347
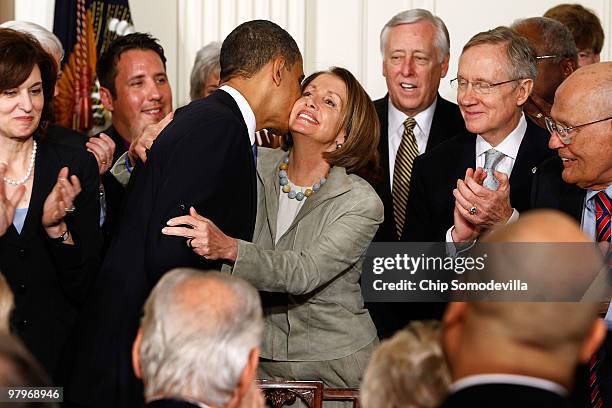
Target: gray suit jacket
x=309 y=280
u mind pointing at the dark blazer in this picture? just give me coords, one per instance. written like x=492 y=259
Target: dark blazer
x=550 y=191
x=429 y=212
x=446 y=123
x=170 y=403
x=50 y=280
x=203 y=159
x=504 y=396
x=114 y=192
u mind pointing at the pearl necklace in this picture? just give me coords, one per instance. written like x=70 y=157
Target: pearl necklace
x=286 y=187
x=29 y=172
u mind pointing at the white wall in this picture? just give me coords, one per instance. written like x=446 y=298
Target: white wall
x=338 y=32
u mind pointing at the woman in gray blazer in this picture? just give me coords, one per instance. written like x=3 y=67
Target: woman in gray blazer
x=315 y=219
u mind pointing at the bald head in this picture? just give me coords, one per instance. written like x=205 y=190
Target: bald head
x=548 y=250
x=590 y=87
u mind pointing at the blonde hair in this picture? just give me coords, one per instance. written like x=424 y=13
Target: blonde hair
x=407 y=370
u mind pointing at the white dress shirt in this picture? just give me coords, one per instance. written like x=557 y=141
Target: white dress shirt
x=513 y=379
x=245 y=110
x=396 y=128
x=509 y=147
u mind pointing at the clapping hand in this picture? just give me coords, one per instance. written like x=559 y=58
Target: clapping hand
x=103 y=148
x=140 y=146
x=60 y=202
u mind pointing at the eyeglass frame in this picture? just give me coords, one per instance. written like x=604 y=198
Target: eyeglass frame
x=456 y=87
x=543 y=57
x=559 y=129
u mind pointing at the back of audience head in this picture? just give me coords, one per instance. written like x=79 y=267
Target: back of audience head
x=6 y=305
x=205 y=72
x=585 y=27
x=539 y=339
x=553 y=43
x=19 y=369
x=407 y=370
x=199 y=338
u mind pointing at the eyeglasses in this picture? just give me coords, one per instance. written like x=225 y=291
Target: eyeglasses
x=479 y=87
x=565 y=132
x=543 y=57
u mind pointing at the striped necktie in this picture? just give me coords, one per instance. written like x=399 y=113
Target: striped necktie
x=603 y=209
x=406 y=153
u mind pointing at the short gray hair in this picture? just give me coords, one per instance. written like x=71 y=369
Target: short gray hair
x=408 y=370
x=199 y=348
x=518 y=51
x=46 y=38
x=557 y=37
x=442 y=41
x=206 y=62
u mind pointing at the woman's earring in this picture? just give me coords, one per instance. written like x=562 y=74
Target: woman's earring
x=338 y=145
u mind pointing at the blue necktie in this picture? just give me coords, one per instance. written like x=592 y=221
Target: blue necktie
x=254 y=147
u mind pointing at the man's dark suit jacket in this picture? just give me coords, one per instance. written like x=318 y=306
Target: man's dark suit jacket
x=430 y=207
x=114 y=192
x=203 y=158
x=446 y=123
x=170 y=403
x=504 y=396
x=550 y=191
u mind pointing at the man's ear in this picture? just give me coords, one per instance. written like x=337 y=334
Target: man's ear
x=247 y=377
x=593 y=340
x=278 y=66
x=136 y=354
x=107 y=98
x=568 y=65
x=444 y=66
x=453 y=324
x=525 y=87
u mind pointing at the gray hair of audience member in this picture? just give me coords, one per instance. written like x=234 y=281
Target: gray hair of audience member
x=206 y=62
x=408 y=370
x=558 y=37
x=6 y=305
x=198 y=348
x=19 y=369
x=520 y=54
x=46 y=38
x=412 y=16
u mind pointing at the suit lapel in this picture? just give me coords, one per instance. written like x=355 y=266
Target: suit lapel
x=571 y=200
x=532 y=152
x=45 y=176
x=267 y=171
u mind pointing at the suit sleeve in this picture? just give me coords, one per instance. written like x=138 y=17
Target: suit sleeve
x=418 y=208
x=339 y=247
x=77 y=264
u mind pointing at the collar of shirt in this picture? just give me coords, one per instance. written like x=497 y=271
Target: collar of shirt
x=509 y=146
x=514 y=379
x=591 y=193
x=245 y=110
x=193 y=402
x=421 y=130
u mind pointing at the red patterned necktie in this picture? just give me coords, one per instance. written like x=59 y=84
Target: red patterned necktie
x=603 y=208
x=602 y=234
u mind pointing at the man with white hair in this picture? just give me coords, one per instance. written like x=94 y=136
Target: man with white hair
x=198 y=344
x=414 y=118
